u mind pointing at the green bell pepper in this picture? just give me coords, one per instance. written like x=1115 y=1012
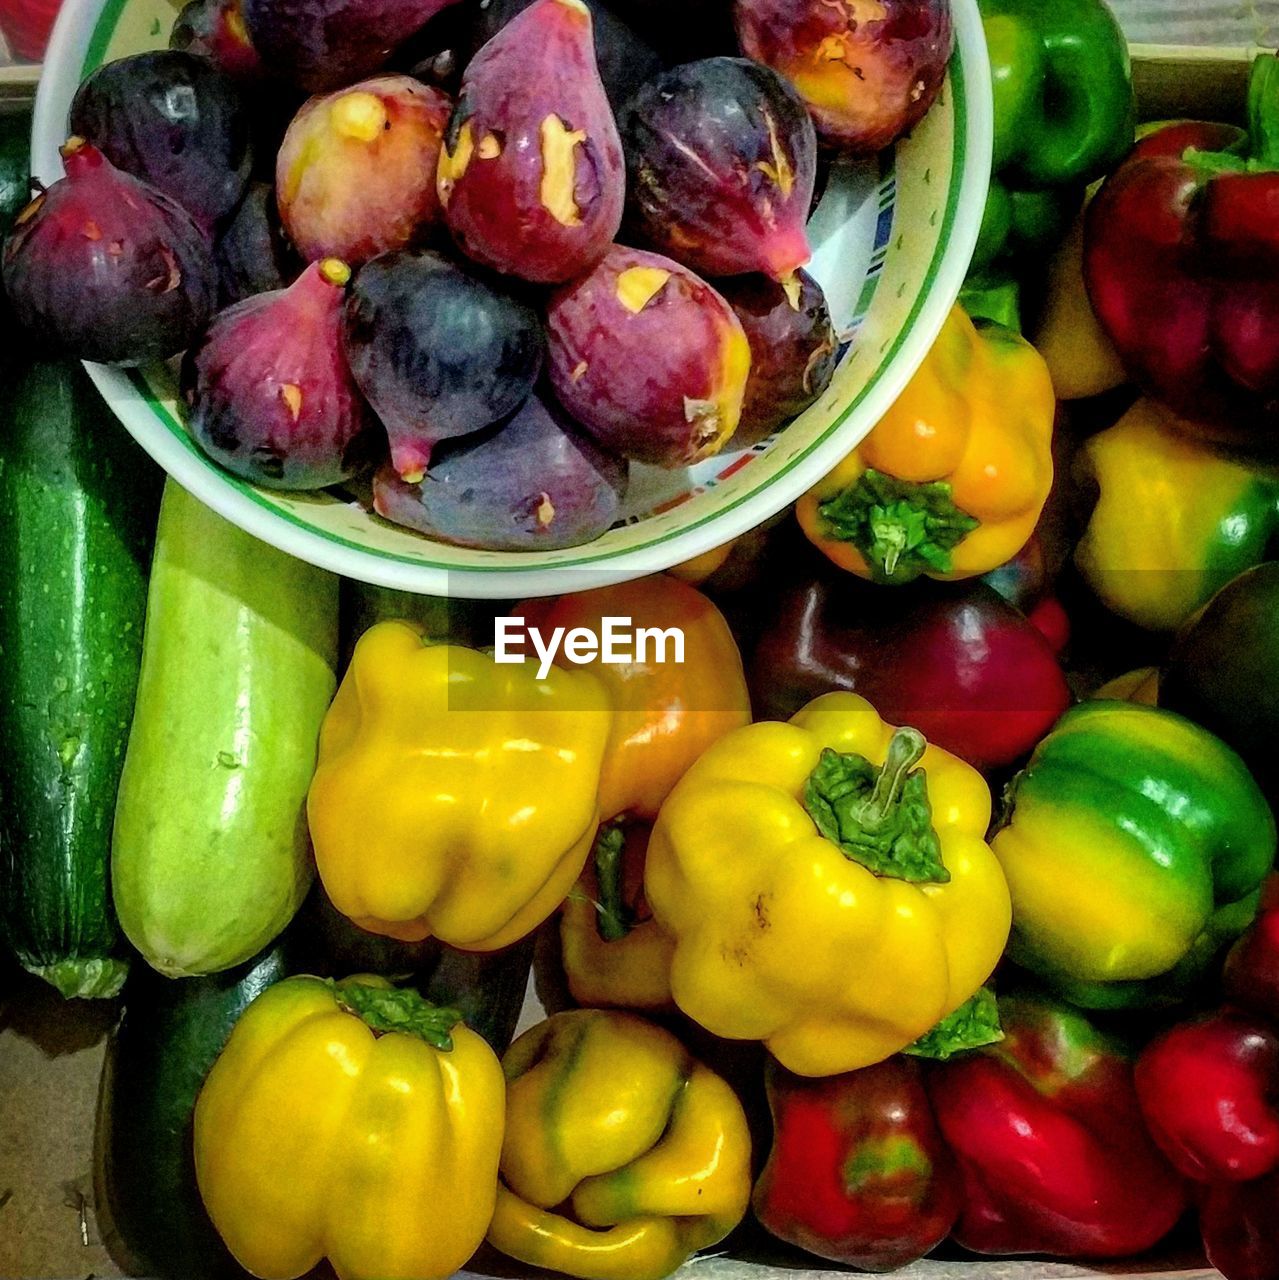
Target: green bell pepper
x=1135 y=844
x=1064 y=115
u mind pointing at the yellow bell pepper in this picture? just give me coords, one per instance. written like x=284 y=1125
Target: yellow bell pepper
x=952 y=481
x=1079 y=355
x=614 y=954
x=828 y=886
x=354 y=1122
x=609 y=1115
x=455 y=797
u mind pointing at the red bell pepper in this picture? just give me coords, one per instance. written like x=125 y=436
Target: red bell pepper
x=1181 y=262
x=959 y=663
x=1032 y=1145
x=1050 y=1141
x=858 y=1172
x=1237 y=1221
x=1209 y=1090
x=1252 y=967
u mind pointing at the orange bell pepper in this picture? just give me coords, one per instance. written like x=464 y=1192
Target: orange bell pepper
x=952 y=481
x=665 y=714
x=614 y=954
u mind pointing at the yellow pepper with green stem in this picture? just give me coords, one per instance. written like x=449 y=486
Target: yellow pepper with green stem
x=354 y=1122
x=828 y=886
x=610 y=1116
x=454 y=797
x=951 y=483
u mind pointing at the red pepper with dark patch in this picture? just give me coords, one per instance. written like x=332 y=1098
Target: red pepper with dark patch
x=959 y=663
x=1182 y=266
x=858 y=1172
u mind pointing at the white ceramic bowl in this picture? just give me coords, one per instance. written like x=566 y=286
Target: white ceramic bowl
x=892 y=238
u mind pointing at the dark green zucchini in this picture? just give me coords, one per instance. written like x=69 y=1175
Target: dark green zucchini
x=171 y=1033
x=486 y=988
x=78 y=506
x=15 y=165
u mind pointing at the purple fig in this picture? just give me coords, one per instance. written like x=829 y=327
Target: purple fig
x=868 y=71
x=649 y=359
x=624 y=59
x=105 y=267
x=214 y=29
x=253 y=253
x=438 y=352
x=324 y=44
x=356 y=174
x=173 y=120
x=794 y=349
x=270 y=393
x=535 y=483
x=722 y=157
x=532 y=179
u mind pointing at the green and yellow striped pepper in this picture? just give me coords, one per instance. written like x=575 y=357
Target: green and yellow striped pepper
x=1135 y=844
x=1174 y=521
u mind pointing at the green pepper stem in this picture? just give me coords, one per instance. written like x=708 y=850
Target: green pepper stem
x=880 y=817
x=385 y=1010
x=1263 y=109
x=905 y=751
x=613 y=918
x=901 y=527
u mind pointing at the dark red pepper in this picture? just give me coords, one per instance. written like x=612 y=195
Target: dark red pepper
x=1182 y=266
x=1238 y=1223
x=1252 y=967
x=958 y=662
x=858 y=1172
x=1209 y=1090
x=1050 y=1141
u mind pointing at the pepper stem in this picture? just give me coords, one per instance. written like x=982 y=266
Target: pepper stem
x=614 y=919
x=905 y=751
x=1263 y=109
x=974 y=1025
x=903 y=528
x=386 y=1009
x=880 y=817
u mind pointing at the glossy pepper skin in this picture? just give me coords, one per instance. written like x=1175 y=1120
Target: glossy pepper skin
x=1182 y=266
x=951 y=483
x=610 y=1115
x=1135 y=845
x=1064 y=115
x=1237 y=1223
x=614 y=954
x=793 y=855
x=1220 y=671
x=1251 y=977
x=961 y=664
x=337 y=1121
x=858 y=1171
x=1174 y=521
x=1209 y=1090
x=1049 y=1138
x=453 y=797
x=665 y=713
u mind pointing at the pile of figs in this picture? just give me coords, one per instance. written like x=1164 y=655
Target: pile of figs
x=491 y=251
